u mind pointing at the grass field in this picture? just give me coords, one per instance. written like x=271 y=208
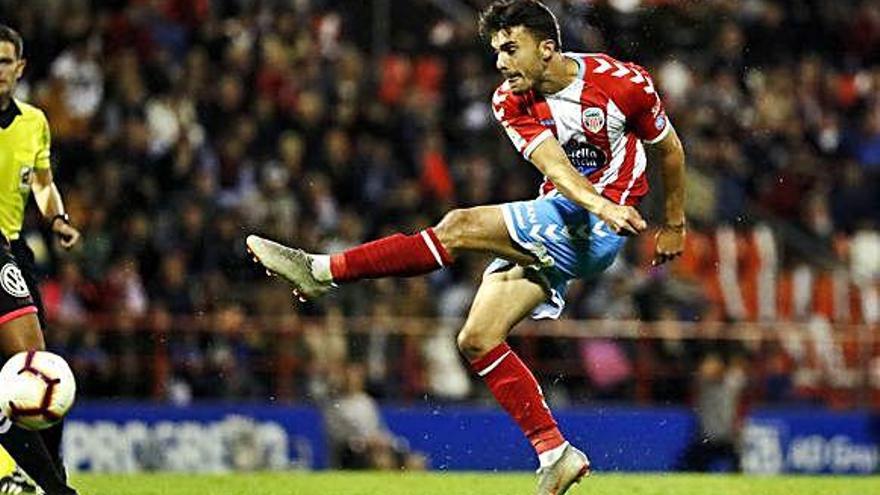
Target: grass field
x=344 y=483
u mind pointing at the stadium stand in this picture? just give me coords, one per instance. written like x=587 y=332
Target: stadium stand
x=182 y=125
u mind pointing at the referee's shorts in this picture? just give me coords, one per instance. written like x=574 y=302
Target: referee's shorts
x=15 y=293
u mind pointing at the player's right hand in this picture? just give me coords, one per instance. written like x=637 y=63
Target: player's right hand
x=624 y=220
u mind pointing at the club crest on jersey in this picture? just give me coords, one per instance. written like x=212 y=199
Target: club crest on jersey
x=594 y=119
x=13 y=282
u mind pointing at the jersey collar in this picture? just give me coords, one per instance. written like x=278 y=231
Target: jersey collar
x=582 y=67
x=8 y=116
x=580 y=75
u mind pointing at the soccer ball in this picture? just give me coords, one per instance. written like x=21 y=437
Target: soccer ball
x=37 y=389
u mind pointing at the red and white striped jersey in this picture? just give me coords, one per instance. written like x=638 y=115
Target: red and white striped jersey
x=600 y=119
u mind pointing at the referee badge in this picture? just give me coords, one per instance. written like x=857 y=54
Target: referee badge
x=13 y=282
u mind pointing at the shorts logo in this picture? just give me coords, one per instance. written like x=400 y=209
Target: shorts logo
x=594 y=119
x=13 y=282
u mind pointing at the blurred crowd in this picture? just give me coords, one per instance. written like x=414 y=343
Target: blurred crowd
x=181 y=126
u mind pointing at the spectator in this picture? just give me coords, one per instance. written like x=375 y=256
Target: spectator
x=718 y=390
x=178 y=128
x=358 y=436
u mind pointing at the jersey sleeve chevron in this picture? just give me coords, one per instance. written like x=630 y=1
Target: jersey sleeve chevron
x=524 y=130
x=647 y=116
x=632 y=89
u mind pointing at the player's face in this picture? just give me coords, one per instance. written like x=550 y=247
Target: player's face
x=11 y=68
x=521 y=58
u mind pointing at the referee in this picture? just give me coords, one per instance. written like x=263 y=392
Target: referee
x=24 y=167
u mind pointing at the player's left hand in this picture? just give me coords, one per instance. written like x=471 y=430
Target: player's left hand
x=67 y=234
x=670 y=243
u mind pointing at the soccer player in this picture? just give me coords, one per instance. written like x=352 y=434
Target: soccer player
x=584 y=120
x=24 y=166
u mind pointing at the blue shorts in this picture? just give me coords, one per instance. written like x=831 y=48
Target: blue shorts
x=568 y=241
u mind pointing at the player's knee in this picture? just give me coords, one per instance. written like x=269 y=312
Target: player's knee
x=475 y=344
x=21 y=334
x=469 y=345
x=453 y=229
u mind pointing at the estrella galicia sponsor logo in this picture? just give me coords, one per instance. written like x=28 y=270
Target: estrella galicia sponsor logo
x=13 y=282
x=585 y=157
x=594 y=119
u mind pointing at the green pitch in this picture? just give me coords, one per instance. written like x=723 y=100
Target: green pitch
x=345 y=483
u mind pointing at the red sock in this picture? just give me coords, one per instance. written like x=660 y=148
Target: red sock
x=397 y=255
x=516 y=389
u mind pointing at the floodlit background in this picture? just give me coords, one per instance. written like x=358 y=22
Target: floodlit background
x=181 y=126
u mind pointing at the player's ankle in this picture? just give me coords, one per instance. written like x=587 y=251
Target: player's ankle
x=547 y=438
x=549 y=457
x=321 y=268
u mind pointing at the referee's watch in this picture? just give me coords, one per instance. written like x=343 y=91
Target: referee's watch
x=64 y=217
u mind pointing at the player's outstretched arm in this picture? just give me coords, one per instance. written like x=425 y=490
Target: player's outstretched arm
x=52 y=207
x=550 y=159
x=669 y=154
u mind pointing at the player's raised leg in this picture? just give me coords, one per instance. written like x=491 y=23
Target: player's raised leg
x=502 y=301
x=21 y=333
x=472 y=229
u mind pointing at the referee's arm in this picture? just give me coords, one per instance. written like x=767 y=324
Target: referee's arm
x=52 y=207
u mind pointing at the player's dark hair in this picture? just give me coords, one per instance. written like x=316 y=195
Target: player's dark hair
x=530 y=14
x=12 y=36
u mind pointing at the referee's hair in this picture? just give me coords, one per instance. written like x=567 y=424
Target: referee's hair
x=11 y=35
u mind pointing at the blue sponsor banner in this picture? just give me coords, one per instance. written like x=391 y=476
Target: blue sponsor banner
x=130 y=437
x=615 y=438
x=133 y=437
x=811 y=441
